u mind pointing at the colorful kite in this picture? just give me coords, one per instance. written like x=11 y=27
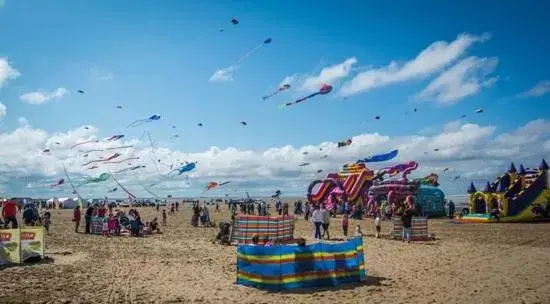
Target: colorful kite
x=210 y=186
x=139 y=122
x=282 y=88
x=379 y=157
x=107 y=158
x=187 y=167
x=345 y=143
x=59 y=183
x=92 y=180
x=325 y=89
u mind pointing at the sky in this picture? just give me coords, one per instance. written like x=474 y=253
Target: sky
x=186 y=61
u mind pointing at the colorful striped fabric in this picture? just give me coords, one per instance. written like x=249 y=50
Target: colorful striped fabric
x=291 y=266
x=96 y=224
x=273 y=227
x=419 y=228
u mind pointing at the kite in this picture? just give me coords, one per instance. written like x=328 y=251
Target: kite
x=277 y=194
x=112 y=190
x=86 y=128
x=107 y=158
x=119 y=107
x=320 y=170
x=224 y=183
x=325 y=89
x=446 y=169
x=129 y=169
x=175 y=136
x=173 y=127
x=59 y=183
x=379 y=157
x=377 y=117
x=57 y=143
x=480 y=110
x=344 y=143
x=254 y=50
x=92 y=180
x=304 y=164
x=282 y=88
x=463 y=116
x=110 y=139
x=93 y=167
x=235 y=21
x=114 y=138
x=200 y=124
x=120 y=161
x=324 y=156
x=244 y=123
x=305 y=153
x=85 y=142
x=101 y=150
x=187 y=168
x=80 y=91
x=142 y=121
x=457 y=177
x=46 y=150
x=436 y=149
x=210 y=186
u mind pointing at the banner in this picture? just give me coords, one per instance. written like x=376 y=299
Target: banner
x=32 y=243
x=10 y=250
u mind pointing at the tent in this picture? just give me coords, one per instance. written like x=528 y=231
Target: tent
x=64 y=203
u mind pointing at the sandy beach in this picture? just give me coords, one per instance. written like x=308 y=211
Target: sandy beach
x=468 y=263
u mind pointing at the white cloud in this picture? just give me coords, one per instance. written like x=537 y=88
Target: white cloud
x=329 y=75
x=433 y=59
x=468 y=77
x=3 y=110
x=540 y=89
x=223 y=75
x=467 y=149
x=22 y=121
x=40 y=97
x=6 y=71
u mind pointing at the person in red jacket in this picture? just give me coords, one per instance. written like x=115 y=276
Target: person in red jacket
x=76 y=218
x=9 y=213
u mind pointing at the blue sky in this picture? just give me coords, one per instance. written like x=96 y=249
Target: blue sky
x=157 y=57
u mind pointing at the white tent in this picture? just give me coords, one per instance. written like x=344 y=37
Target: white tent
x=66 y=203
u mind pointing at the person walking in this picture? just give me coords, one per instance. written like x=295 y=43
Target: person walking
x=317 y=219
x=76 y=218
x=326 y=222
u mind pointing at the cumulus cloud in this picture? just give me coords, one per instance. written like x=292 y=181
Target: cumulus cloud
x=468 y=77
x=469 y=150
x=433 y=59
x=329 y=75
x=7 y=72
x=40 y=97
x=223 y=75
x=3 y=110
x=540 y=89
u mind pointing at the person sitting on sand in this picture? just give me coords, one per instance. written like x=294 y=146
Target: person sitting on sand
x=154 y=225
x=301 y=242
x=255 y=240
x=358 y=231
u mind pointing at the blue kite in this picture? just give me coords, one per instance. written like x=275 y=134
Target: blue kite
x=142 y=121
x=379 y=157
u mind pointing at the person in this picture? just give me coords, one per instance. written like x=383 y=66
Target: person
x=307 y=211
x=345 y=222
x=406 y=220
x=317 y=219
x=47 y=221
x=326 y=222
x=163 y=217
x=285 y=209
x=158 y=206
x=105 y=228
x=172 y=209
x=9 y=213
x=154 y=224
x=88 y=218
x=388 y=211
x=451 y=209
x=217 y=207
x=358 y=231
x=255 y=240
x=177 y=206
x=377 y=220
x=76 y=218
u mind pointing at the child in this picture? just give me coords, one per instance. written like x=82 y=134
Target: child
x=345 y=222
x=164 y=217
x=47 y=221
x=105 y=228
x=358 y=231
x=112 y=224
x=377 y=224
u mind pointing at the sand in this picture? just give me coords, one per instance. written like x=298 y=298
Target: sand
x=468 y=263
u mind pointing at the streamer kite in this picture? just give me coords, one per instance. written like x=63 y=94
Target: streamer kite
x=139 y=122
x=121 y=161
x=379 y=157
x=254 y=50
x=224 y=183
x=58 y=183
x=304 y=164
x=325 y=89
x=282 y=88
x=92 y=180
x=107 y=158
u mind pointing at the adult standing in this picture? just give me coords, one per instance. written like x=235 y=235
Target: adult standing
x=9 y=213
x=76 y=218
x=326 y=222
x=406 y=220
x=317 y=219
x=88 y=218
x=451 y=209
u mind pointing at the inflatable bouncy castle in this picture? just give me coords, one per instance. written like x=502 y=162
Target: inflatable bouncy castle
x=350 y=184
x=515 y=196
x=423 y=193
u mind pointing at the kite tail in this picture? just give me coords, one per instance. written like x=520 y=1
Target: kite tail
x=124 y=189
x=75 y=191
x=137 y=123
x=120 y=161
x=252 y=51
x=86 y=142
x=91 y=162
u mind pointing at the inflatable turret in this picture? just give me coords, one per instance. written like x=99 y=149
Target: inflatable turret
x=504 y=183
x=487 y=188
x=512 y=168
x=522 y=170
x=543 y=165
x=471 y=189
